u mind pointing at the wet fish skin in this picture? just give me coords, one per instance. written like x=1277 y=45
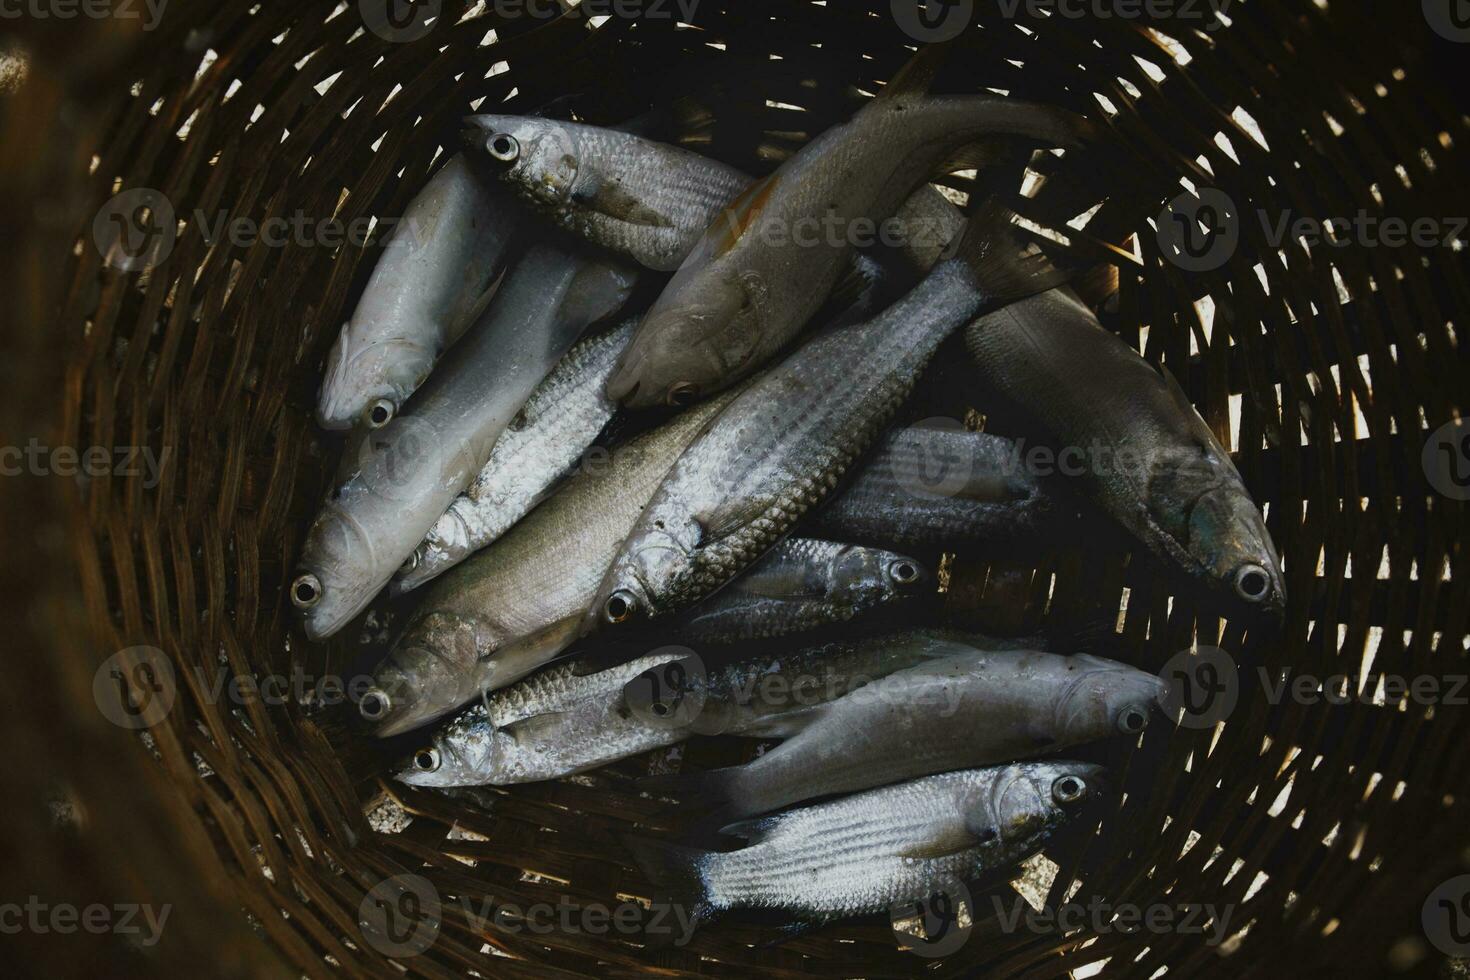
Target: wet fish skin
x=929 y=487
x=753 y=282
x=1155 y=466
x=581 y=721
x=409 y=471
x=782 y=446
x=561 y=419
x=515 y=605
x=430 y=282
x=873 y=850
x=647 y=200
x=803 y=584
x=974 y=707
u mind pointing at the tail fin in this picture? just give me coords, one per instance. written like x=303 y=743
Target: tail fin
x=918 y=73
x=683 y=900
x=713 y=789
x=997 y=259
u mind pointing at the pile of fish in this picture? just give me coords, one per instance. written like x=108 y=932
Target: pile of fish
x=571 y=451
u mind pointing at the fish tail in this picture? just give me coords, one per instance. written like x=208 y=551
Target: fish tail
x=996 y=258
x=918 y=73
x=674 y=870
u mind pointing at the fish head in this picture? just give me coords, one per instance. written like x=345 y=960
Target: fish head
x=466 y=752
x=366 y=383
x=1029 y=799
x=536 y=157
x=1201 y=501
x=333 y=578
x=1102 y=698
x=633 y=591
x=864 y=576
x=432 y=670
x=697 y=338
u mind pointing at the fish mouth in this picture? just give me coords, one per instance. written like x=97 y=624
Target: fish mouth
x=623 y=387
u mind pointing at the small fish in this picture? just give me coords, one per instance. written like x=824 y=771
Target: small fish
x=766 y=266
x=561 y=721
x=1148 y=459
x=973 y=707
x=781 y=447
x=877 y=849
x=436 y=274
x=650 y=201
x=515 y=605
x=929 y=487
x=561 y=419
x=408 y=472
x=803 y=584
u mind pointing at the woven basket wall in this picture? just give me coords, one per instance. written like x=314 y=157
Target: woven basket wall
x=1326 y=825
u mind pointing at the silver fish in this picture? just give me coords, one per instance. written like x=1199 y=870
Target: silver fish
x=515 y=605
x=561 y=721
x=803 y=584
x=537 y=450
x=650 y=201
x=974 y=707
x=434 y=277
x=410 y=470
x=929 y=487
x=764 y=268
x=782 y=446
x=1148 y=458
x=878 y=849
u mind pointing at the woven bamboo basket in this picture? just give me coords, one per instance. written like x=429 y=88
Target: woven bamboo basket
x=265 y=828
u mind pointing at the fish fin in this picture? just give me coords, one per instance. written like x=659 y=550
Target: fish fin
x=751 y=831
x=607 y=197
x=674 y=870
x=996 y=257
x=917 y=74
x=986 y=155
x=471 y=312
x=952 y=841
x=783 y=726
x=743 y=212
x=861 y=276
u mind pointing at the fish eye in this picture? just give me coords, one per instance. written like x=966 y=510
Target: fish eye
x=903 y=572
x=504 y=147
x=682 y=394
x=306 y=591
x=410 y=563
x=375 y=704
x=619 y=606
x=380 y=412
x=1068 y=789
x=1132 y=721
x=1252 y=583
x=426 y=760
